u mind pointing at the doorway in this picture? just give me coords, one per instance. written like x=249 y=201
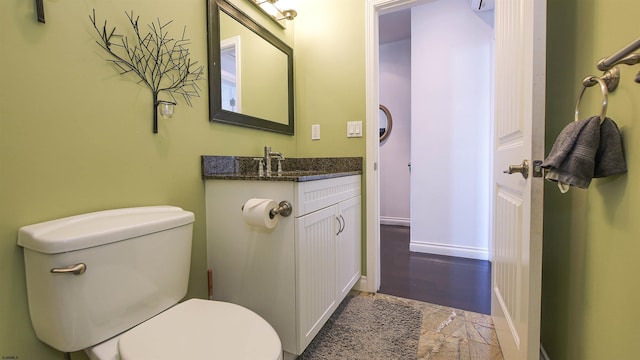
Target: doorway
x=516 y=202
x=395 y=99
x=440 y=84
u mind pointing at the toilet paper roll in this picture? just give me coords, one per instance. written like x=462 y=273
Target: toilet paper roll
x=256 y=212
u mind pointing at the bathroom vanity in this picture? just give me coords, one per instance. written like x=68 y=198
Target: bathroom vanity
x=296 y=274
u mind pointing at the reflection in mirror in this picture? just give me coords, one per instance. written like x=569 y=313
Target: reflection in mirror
x=252 y=83
x=385 y=122
x=231 y=86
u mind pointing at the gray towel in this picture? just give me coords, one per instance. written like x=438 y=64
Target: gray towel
x=610 y=156
x=584 y=150
x=572 y=157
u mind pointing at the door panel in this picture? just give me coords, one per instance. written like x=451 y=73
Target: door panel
x=348 y=246
x=315 y=272
x=517 y=201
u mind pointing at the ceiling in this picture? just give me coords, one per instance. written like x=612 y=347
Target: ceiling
x=395 y=26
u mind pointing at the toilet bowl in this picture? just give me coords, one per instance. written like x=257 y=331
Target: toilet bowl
x=195 y=329
x=74 y=264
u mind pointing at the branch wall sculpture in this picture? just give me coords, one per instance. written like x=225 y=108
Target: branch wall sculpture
x=162 y=63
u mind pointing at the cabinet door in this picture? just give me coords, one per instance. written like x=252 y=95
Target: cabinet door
x=348 y=244
x=315 y=272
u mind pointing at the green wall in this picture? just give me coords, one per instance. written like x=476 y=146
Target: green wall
x=75 y=136
x=330 y=75
x=592 y=237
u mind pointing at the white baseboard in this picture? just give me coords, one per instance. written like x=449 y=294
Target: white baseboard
x=388 y=220
x=363 y=285
x=450 y=250
x=543 y=354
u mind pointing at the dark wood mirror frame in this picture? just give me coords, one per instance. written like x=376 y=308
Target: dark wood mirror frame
x=216 y=113
x=384 y=132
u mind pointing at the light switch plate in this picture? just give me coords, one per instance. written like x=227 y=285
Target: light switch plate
x=354 y=128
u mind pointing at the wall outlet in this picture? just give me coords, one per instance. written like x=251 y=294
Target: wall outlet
x=315 y=132
x=354 y=128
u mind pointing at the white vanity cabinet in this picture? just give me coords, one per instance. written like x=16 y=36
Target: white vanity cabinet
x=296 y=274
x=327 y=261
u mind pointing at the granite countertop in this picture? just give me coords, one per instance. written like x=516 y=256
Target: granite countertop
x=294 y=169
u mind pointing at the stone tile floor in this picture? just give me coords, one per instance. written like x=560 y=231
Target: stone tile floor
x=449 y=333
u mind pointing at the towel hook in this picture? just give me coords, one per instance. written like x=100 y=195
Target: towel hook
x=590 y=81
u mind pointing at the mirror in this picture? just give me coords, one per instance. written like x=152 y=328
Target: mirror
x=250 y=72
x=385 y=122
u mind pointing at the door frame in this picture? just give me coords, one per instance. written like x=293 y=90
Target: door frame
x=374 y=8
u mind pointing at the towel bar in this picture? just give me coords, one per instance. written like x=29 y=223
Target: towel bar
x=623 y=56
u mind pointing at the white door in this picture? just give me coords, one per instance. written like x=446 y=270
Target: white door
x=520 y=30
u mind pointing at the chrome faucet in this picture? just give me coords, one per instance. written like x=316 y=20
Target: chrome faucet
x=268 y=155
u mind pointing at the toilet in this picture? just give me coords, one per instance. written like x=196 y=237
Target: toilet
x=110 y=283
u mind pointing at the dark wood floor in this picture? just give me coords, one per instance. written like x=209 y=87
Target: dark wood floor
x=444 y=280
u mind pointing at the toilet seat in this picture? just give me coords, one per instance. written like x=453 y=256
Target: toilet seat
x=202 y=329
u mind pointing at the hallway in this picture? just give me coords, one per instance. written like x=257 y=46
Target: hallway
x=443 y=280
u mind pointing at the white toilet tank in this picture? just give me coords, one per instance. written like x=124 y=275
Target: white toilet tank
x=137 y=265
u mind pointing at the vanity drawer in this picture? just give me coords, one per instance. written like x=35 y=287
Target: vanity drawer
x=315 y=195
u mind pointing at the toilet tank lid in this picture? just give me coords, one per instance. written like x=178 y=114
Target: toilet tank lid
x=99 y=228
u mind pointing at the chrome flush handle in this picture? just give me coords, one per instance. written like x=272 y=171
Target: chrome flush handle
x=522 y=169
x=76 y=269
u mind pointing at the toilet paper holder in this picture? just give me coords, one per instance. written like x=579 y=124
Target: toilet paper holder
x=284 y=209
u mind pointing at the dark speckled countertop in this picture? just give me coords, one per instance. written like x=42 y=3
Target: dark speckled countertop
x=294 y=169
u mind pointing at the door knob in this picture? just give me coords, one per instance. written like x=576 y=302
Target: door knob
x=522 y=169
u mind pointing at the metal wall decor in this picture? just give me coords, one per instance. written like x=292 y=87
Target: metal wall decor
x=161 y=62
